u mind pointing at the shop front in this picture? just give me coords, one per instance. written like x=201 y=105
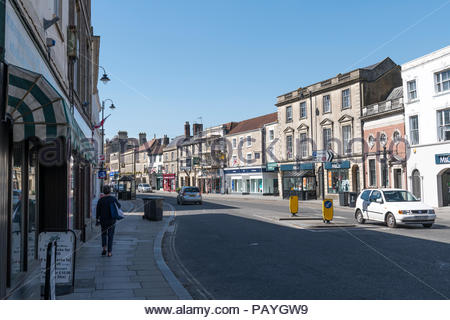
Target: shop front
x=209 y=181
x=169 y=182
x=47 y=172
x=443 y=178
x=299 y=180
x=337 y=175
x=250 y=181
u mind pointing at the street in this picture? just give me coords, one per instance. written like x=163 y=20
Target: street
x=240 y=249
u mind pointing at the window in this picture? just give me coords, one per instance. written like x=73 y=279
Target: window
x=303 y=110
x=234 y=143
x=383 y=139
x=249 y=157
x=289 y=114
x=372 y=173
x=172 y=169
x=241 y=142
x=346 y=138
x=396 y=136
x=249 y=141
x=326 y=138
x=289 y=147
x=371 y=141
x=442 y=81
x=375 y=195
x=171 y=156
x=167 y=156
x=444 y=125
x=414 y=129
x=326 y=104
x=271 y=135
x=257 y=155
x=303 y=145
x=365 y=195
x=345 y=98
x=416 y=184
x=412 y=92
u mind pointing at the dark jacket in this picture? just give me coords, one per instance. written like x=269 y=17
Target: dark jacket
x=103 y=212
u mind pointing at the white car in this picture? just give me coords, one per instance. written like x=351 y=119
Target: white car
x=393 y=206
x=144 y=187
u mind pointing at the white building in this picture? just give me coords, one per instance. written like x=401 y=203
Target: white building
x=426 y=87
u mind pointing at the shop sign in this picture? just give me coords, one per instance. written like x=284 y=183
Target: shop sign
x=297 y=167
x=65 y=256
x=252 y=170
x=337 y=165
x=185 y=168
x=442 y=158
x=271 y=166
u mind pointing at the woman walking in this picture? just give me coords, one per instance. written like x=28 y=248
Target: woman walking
x=106 y=220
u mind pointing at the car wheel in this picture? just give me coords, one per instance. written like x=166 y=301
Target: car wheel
x=200 y=202
x=427 y=225
x=359 y=217
x=390 y=220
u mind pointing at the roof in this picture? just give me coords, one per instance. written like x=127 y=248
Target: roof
x=157 y=150
x=174 y=143
x=145 y=146
x=395 y=93
x=254 y=123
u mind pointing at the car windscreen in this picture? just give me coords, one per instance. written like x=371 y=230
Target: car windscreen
x=399 y=196
x=192 y=190
x=146 y=185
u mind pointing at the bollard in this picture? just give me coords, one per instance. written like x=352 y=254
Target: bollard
x=293 y=205
x=327 y=210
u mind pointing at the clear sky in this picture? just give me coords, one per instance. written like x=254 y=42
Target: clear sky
x=172 y=61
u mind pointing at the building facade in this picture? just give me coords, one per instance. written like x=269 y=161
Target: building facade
x=384 y=142
x=47 y=112
x=324 y=117
x=171 y=164
x=426 y=86
x=246 y=172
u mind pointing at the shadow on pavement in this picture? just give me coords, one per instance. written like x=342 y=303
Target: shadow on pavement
x=239 y=258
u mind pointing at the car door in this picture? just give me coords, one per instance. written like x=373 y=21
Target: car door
x=375 y=207
x=364 y=203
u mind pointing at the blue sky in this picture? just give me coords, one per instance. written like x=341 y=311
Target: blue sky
x=172 y=61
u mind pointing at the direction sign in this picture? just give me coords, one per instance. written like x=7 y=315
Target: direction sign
x=319 y=155
x=330 y=155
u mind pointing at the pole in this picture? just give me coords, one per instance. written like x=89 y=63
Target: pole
x=384 y=167
x=103 y=138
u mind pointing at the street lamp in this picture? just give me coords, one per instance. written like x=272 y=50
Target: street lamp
x=105 y=79
x=112 y=107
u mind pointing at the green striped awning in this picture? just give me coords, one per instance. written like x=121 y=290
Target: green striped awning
x=38 y=110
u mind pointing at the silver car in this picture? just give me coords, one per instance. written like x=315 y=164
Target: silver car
x=144 y=187
x=189 y=195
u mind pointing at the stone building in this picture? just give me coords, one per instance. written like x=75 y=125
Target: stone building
x=47 y=150
x=326 y=116
x=171 y=164
x=246 y=170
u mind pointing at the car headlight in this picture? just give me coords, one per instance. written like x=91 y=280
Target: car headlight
x=431 y=211
x=404 y=211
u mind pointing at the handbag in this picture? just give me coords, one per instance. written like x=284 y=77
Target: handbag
x=116 y=213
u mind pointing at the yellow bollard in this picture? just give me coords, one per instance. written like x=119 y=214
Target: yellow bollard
x=327 y=210
x=293 y=204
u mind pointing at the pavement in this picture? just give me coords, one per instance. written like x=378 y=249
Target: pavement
x=136 y=271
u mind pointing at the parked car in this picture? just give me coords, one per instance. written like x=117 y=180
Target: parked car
x=189 y=194
x=393 y=206
x=144 y=187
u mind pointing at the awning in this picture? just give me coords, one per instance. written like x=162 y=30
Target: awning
x=38 y=110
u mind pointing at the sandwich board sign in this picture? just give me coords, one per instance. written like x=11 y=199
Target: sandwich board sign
x=65 y=259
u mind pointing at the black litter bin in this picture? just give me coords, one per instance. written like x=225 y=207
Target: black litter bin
x=153 y=208
x=352 y=196
x=343 y=199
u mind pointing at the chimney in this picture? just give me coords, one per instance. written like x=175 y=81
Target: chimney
x=187 y=129
x=197 y=128
x=142 y=138
x=166 y=140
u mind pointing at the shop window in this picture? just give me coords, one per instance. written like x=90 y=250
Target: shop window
x=32 y=208
x=338 y=181
x=17 y=212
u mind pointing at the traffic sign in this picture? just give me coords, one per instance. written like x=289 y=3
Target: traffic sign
x=330 y=155
x=101 y=157
x=319 y=155
x=102 y=174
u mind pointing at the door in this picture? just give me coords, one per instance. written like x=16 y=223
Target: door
x=398 y=178
x=375 y=207
x=446 y=188
x=416 y=184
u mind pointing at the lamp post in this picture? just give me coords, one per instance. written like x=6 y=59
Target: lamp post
x=105 y=79
x=112 y=107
